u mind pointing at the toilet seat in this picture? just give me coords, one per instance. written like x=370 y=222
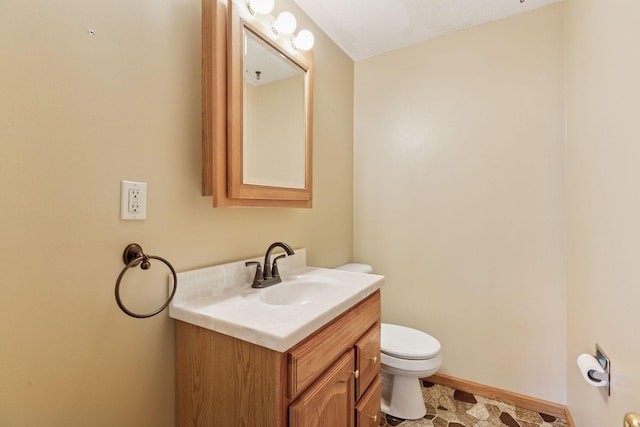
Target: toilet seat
x=406 y=343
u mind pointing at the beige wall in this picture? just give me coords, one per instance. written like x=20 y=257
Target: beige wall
x=459 y=201
x=80 y=113
x=603 y=153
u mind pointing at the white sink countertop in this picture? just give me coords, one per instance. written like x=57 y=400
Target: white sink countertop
x=221 y=299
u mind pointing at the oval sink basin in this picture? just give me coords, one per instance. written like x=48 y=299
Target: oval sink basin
x=297 y=292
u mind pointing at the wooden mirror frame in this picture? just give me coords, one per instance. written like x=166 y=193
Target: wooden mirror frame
x=222 y=118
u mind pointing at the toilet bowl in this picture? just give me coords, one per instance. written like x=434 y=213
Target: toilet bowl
x=406 y=355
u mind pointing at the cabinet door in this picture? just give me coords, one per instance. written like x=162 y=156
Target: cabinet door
x=367 y=359
x=368 y=408
x=329 y=401
x=318 y=352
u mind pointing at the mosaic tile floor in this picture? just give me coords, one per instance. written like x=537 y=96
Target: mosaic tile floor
x=447 y=407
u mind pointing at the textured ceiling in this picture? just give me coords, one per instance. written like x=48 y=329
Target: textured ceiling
x=364 y=28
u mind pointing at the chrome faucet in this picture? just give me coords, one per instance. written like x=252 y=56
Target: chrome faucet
x=270 y=275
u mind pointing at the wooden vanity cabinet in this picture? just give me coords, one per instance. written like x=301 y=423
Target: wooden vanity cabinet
x=331 y=378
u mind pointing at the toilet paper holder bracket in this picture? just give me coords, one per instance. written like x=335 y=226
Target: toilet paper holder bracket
x=605 y=362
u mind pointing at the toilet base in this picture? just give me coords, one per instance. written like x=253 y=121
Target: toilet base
x=402 y=397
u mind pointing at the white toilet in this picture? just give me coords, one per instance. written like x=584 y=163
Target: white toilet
x=406 y=355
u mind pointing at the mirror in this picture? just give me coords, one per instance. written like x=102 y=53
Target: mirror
x=263 y=156
x=273 y=150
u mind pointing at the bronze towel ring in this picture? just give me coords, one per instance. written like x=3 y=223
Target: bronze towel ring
x=133 y=256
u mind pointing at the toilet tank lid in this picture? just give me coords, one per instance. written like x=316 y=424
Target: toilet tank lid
x=355 y=267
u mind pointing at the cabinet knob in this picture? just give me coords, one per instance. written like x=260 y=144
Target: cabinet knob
x=631 y=420
x=373 y=359
x=356 y=373
x=374 y=418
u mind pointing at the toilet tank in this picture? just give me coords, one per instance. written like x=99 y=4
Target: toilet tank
x=356 y=268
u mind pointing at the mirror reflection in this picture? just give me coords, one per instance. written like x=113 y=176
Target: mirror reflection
x=274 y=135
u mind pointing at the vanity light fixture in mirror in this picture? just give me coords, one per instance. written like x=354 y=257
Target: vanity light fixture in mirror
x=269 y=107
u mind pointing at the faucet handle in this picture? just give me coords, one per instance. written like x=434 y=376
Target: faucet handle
x=274 y=268
x=258 y=275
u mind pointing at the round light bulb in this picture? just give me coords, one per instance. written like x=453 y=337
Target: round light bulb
x=286 y=23
x=261 y=6
x=304 y=40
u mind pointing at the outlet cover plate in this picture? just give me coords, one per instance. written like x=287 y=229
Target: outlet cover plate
x=133 y=200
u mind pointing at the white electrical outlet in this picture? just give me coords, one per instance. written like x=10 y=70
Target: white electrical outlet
x=133 y=200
